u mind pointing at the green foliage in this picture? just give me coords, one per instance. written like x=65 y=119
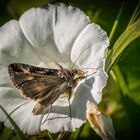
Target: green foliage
x=129 y=35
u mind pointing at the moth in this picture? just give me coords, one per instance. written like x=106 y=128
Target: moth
x=44 y=85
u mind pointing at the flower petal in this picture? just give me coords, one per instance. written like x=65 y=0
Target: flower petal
x=102 y=124
x=89 y=51
x=89 y=47
x=96 y=84
x=10 y=99
x=14 y=46
x=36 y=25
x=4 y=79
x=68 y=24
x=24 y=118
x=47 y=30
x=60 y=123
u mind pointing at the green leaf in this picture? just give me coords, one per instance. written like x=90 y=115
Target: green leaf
x=129 y=35
x=20 y=134
x=121 y=80
x=135 y=14
x=130 y=106
x=115 y=25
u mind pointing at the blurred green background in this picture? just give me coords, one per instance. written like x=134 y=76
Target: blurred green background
x=121 y=97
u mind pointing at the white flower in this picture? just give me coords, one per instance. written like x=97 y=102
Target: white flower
x=43 y=36
x=102 y=124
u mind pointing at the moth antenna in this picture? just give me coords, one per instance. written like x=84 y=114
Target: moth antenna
x=79 y=56
x=50 y=108
x=89 y=68
x=92 y=73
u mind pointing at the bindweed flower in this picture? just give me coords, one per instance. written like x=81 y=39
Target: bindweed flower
x=41 y=37
x=99 y=122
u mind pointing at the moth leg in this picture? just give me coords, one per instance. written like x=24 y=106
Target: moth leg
x=50 y=108
x=59 y=65
x=70 y=92
x=38 y=108
x=63 y=73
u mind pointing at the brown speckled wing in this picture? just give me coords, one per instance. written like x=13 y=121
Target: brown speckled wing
x=39 y=84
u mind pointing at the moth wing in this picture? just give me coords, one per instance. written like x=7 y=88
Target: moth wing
x=44 y=89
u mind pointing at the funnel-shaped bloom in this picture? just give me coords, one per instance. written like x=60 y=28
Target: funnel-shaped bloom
x=41 y=37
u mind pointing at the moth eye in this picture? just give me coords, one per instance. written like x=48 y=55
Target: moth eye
x=80 y=72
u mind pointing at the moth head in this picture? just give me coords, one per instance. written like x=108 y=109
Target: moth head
x=78 y=74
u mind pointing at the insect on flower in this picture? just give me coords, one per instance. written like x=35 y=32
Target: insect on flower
x=45 y=85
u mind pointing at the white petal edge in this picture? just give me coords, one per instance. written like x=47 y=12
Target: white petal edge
x=96 y=84
x=90 y=47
